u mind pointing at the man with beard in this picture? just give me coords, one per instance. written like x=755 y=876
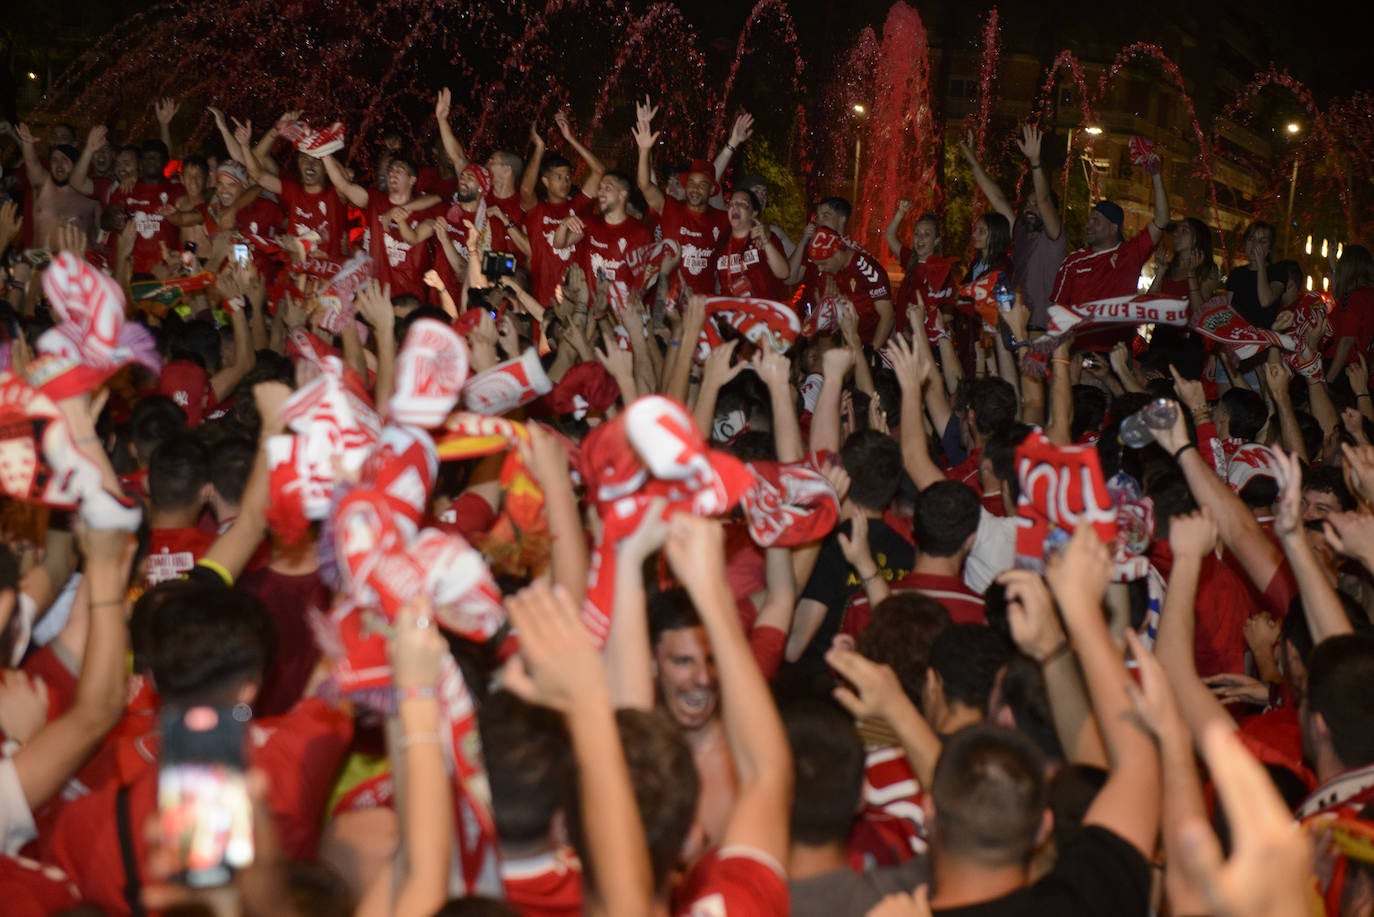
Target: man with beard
x=502 y=165
x=145 y=203
x=397 y=262
x=610 y=236
x=554 y=172
x=311 y=204
x=55 y=202
x=693 y=223
x=1038 y=242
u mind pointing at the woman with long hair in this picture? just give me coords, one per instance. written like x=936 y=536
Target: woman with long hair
x=928 y=279
x=1185 y=269
x=1352 y=319
x=1255 y=294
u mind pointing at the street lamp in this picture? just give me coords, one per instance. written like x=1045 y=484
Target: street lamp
x=858 y=109
x=1093 y=130
x=859 y=112
x=1293 y=128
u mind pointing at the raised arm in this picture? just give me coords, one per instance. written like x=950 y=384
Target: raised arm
x=758 y=745
x=452 y=148
x=1128 y=804
x=894 y=244
x=37 y=175
x=1049 y=216
x=374 y=304
x=913 y=368
x=1325 y=614
x=629 y=660
x=529 y=179
x=776 y=372
x=996 y=199
x=645 y=138
x=740 y=132
x=836 y=364
x=352 y=192
x=166 y=109
x=595 y=167
x=263 y=178
x=1157 y=225
x=81 y=177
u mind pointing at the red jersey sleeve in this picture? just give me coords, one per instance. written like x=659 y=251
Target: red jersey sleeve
x=767 y=644
x=734 y=882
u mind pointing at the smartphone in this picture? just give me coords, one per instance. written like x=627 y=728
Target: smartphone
x=241 y=253
x=205 y=817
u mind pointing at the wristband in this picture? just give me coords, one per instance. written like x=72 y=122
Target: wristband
x=731 y=147
x=1035 y=165
x=1060 y=649
x=415 y=692
x=1182 y=449
x=1364 y=395
x=872 y=576
x=421 y=738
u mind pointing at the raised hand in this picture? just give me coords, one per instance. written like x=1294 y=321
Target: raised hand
x=718 y=369
x=166 y=109
x=855 y=546
x=1230 y=688
x=373 y=302
x=645 y=138
x=1154 y=698
x=645 y=111
x=773 y=368
x=904 y=206
x=95 y=138
x=1078 y=575
x=1190 y=391
x=558 y=667
x=416 y=648
x=742 y=129
x=560 y=119
x=1030 y=142
x=1288 y=520
x=909 y=363
x=837 y=362
x=1193 y=535
x=443 y=104
x=243 y=132
x=1351 y=535
x=619 y=363
x=25 y=135
x=1035 y=626
x=873 y=690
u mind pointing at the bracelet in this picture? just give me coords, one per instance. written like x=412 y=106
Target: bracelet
x=1061 y=360
x=1365 y=395
x=731 y=147
x=103 y=602
x=673 y=342
x=415 y=692
x=1060 y=649
x=420 y=738
x=872 y=576
x=1035 y=165
x=1182 y=449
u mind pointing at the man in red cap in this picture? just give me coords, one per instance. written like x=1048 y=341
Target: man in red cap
x=852 y=276
x=694 y=224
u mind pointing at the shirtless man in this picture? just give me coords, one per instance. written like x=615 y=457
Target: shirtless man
x=55 y=202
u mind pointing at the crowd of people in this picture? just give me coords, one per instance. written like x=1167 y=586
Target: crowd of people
x=569 y=539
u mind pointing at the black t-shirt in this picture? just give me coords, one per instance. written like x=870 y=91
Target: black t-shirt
x=1243 y=285
x=1098 y=873
x=833 y=581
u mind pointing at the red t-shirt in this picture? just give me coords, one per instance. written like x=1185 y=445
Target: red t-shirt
x=142 y=205
x=549 y=264
x=289 y=600
x=544 y=886
x=863 y=282
x=963 y=604
x=1353 y=317
x=733 y=881
x=932 y=278
x=742 y=270
x=1088 y=275
x=173 y=552
x=301 y=753
x=33 y=889
x=396 y=261
x=607 y=245
x=699 y=234
x=321 y=212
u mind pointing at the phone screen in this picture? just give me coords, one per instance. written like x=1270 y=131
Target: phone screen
x=204 y=814
x=241 y=252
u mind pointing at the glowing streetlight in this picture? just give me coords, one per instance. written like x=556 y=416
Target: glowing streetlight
x=858 y=109
x=1323 y=248
x=1093 y=130
x=1309 y=283
x=1292 y=127
x=1308 y=247
x=1326 y=282
x=31 y=75
x=1340 y=249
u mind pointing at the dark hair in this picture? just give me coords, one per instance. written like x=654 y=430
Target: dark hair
x=553 y=161
x=1000 y=450
x=405 y=162
x=155 y=146
x=1023 y=692
x=828 y=768
x=200 y=641
x=195 y=341
x=754 y=203
x=620 y=178
x=989 y=793
x=1090 y=405
x=900 y=634
x=1246 y=411
x=874 y=463
x=967 y=657
x=233 y=463
x=946 y=517
x=666 y=786
x=1259 y=226
x=154 y=419
x=838 y=204
x=1328 y=479
x=197 y=161
x=1339 y=673
x=993 y=402
x=999 y=239
x=670 y=610
x=1354 y=270
x=178 y=471
x=1288 y=270
x=526 y=753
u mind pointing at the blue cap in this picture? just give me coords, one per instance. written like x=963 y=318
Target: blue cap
x=1112 y=211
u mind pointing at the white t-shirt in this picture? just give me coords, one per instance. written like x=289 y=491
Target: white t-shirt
x=16 y=821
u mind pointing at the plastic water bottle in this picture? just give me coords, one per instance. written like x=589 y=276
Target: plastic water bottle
x=1138 y=430
x=1004 y=294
